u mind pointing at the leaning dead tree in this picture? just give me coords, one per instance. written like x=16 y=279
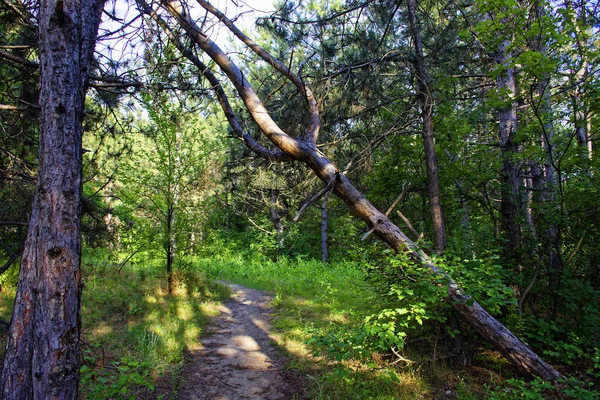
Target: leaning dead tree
x=303 y=148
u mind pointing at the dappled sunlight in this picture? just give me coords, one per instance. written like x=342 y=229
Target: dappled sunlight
x=102 y=329
x=209 y=308
x=245 y=342
x=294 y=342
x=237 y=357
x=131 y=323
x=260 y=324
x=185 y=311
x=150 y=299
x=191 y=333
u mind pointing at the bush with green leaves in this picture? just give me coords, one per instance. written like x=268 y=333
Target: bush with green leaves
x=415 y=297
x=120 y=379
x=538 y=389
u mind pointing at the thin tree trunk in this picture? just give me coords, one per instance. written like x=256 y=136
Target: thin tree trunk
x=582 y=119
x=304 y=149
x=550 y=209
x=325 y=228
x=42 y=351
x=426 y=103
x=170 y=248
x=510 y=172
x=276 y=219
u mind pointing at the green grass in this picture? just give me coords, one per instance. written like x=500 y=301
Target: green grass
x=312 y=300
x=8 y=288
x=135 y=333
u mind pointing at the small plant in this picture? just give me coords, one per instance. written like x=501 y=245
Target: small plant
x=118 y=380
x=595 y=359
x=538 y=389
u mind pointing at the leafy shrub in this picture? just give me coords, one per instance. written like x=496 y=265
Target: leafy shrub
x=119 y=380
x=414 y=300
x=538 y=389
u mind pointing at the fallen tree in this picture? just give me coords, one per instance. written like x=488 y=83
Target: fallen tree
x=303 y=148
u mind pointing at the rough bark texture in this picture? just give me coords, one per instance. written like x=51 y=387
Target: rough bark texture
x=42 y=351
x=426 y=103
x=305 y=150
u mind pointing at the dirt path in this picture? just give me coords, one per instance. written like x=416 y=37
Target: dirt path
x=237 y=359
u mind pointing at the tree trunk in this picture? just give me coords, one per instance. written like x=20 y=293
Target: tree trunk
x=276 y=219
x=582 y=119
x=510 y=172
x=324 y=228
x=549 y=205
x=426 y=104
x=304 y=149
x=170 y=244
x=42 y=350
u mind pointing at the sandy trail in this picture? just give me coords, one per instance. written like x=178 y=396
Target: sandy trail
x=237 y=359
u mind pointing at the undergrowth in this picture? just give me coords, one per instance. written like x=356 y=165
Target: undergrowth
x=353 y=332
x=313 y=300
x=135 y=333
x=356 y=334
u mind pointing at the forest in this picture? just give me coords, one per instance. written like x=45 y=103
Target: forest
x=413 y=183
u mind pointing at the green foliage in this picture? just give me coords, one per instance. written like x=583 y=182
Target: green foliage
x=136 y=333
x=119 y=380
x=8 y=280
x=417 y=296
x=537 y=389
x=320 y=309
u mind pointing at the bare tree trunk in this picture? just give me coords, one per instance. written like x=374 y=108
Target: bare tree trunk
x=325 y=228
x=582 y=118
x=169 y=245
x=510 y=208
x=304 y=149
x=426 y=103
x=276 y=219
x=550 y=209
x=42 y=351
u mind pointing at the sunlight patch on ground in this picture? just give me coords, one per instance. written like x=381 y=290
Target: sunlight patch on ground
x=210 y=308
x=191 y=334
x=102 y=329
x=185 y=311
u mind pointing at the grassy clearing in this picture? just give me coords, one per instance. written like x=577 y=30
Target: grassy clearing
x=135 y=334
x=312 y=299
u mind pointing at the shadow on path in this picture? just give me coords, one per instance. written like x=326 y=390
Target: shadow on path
x=237 y=359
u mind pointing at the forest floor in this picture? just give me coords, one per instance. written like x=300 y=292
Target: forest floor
x=237 y=358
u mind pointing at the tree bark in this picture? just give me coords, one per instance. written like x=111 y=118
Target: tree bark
x=325 y=228
x=581 y=116
x=42 y=351
x=549 y=207
x=510 y=207
x=426 y=104
x=304 y=149
x=276 y=219
x=170 y=244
